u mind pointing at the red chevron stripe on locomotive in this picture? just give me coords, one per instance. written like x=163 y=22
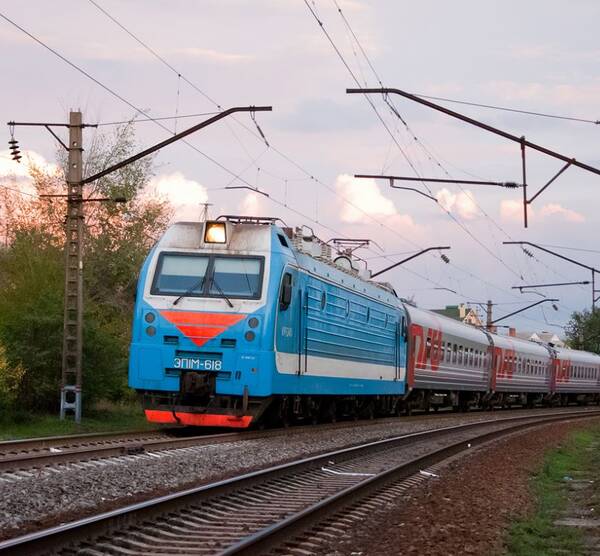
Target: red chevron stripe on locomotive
x=201 y=327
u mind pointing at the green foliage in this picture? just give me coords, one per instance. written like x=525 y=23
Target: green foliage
x=103 y=417
x=538 y=535
x=583 y=331
x=10 y=380
x=31 y=310
x=118 y=237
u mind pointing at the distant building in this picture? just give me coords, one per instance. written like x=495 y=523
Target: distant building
x=543 y=337
x=462 y=313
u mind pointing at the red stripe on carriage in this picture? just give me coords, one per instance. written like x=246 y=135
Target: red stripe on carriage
x=198 y=419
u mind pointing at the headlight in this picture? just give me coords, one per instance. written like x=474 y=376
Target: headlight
x=214 y=232
x=150 y=317
x=253 y=322
x=150 y=330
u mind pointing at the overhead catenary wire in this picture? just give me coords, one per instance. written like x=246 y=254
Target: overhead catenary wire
x=248 y=129
x=280 y=153
x=14 y=190
x=432 y=157
x=156 y=119
x=118 y=96
x=138 y=110
x=391 y=106
x=507 y=109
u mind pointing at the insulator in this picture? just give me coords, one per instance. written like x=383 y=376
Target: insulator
x=445 y=258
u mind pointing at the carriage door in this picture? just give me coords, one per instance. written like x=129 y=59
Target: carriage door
x=289 y=337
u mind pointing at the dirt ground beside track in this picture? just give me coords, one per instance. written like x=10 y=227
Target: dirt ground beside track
x=467 y=510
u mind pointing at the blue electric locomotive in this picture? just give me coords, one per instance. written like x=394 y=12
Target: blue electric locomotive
x=240 y=320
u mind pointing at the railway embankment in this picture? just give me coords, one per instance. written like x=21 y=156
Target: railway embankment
x=35 y=498
x=535 y=492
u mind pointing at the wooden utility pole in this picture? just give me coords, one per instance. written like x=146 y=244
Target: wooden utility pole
x=70 y=390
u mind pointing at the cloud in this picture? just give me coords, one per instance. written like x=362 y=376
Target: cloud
x=185 y=195
x=211 y=55
x=462 y=203
x=10 y=168
x=363 y=193
x=569 y=215
x=513 y=210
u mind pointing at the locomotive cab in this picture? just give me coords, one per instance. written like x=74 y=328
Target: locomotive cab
x=201 y=333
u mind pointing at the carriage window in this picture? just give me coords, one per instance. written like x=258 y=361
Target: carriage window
x=454 y=353
x=428 y=347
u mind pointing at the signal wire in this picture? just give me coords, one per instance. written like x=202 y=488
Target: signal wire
x=280 y=153
x=430 y=154
x=138 y=110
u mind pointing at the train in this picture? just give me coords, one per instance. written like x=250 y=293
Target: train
x=242 y=321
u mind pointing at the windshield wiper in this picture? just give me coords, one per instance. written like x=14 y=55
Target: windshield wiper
x=199 y=284
x=214 y=282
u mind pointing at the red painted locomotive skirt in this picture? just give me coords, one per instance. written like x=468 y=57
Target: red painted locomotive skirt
x=198 y=419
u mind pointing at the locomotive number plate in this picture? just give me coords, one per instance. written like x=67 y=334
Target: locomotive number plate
x=197 y=363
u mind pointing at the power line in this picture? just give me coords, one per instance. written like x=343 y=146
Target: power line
x=570 y=248
x=506 y=109
x=432 y=157
x=137 y=120
x=249 y=130
x=285 y=205
x=113 y=93
x=18 y=191
x=122 y=99
x=399 y=116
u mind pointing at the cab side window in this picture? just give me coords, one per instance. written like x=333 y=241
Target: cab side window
x=285 y=295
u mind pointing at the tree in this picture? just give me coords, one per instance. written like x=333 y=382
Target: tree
x=583 y=331
x=117 y=240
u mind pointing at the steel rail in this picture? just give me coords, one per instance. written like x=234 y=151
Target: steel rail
x=283 y=531
x=43 y=442
x=18 y=455
x=85 y=530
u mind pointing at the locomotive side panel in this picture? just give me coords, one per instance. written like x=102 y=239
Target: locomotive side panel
x=334 y=340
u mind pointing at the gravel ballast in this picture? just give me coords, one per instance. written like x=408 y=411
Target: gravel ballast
x=465 y=511
x=49 y=496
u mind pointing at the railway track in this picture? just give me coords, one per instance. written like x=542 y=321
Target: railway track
x=29 y=454
x=19 y=458
x=256 y=512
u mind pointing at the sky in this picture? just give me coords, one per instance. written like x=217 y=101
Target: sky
x=537 y=56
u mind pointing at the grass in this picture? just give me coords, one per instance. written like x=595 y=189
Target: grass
x=104 y=417
x=537 y=535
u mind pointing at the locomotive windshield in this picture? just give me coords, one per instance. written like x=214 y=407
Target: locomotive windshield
x=208 y=275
